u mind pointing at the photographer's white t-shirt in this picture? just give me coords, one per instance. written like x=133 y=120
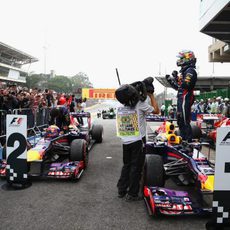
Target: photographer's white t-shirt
x=144 y=108
x=131 y=122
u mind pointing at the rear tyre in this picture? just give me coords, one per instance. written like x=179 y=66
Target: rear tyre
x=196 y=132
x=97 y=133
x=79 y=151
x=154 y=174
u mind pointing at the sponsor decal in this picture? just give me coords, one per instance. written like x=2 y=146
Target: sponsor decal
x=164 y=205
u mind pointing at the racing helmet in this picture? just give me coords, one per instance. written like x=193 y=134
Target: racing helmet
x=141 y=88
x=52 y=132
x=127 y=95
x=61 y=101
x=186 y=58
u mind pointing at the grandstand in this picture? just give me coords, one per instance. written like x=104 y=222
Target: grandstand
x=11 y=61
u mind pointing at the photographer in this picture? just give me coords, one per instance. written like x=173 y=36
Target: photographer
x=184 y=83
x=131 y=128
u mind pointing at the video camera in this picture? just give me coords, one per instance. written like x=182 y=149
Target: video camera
x=144 y=87
x=141 y=89
x=149 y=84
x=127 y=95
x=130 y=94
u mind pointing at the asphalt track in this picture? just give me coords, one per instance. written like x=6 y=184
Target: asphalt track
x=90 y=203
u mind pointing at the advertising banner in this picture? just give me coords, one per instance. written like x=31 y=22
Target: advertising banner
x=92 y=93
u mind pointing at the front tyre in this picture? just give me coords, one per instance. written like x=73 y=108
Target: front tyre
x=97 y=133
x=79 y=151
x=154 y=174
x=196 y=132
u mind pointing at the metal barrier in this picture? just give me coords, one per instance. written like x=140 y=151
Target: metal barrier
x=3 y=114
x=35 y=116
x=30 y=113
x=37 y=120
x=42 y=116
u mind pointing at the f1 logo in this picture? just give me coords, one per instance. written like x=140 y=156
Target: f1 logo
x=16 y=121
x=226 y=140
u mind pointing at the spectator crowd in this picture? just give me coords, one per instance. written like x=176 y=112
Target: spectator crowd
x=16 y=97
x=215 y=105
x=35 y=103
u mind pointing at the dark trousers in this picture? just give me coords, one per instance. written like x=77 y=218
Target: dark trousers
x=132 y=167
x=184 y=118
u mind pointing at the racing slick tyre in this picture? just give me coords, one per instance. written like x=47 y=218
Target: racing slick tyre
x=196 y=132
x=154 y=174
x=97 y=133
x=79 y=151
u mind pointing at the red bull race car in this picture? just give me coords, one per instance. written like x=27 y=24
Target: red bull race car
x=169 y=158
x=58 y=154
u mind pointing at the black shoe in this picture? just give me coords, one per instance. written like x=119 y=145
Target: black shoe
x=133 y=198
x=121 y=194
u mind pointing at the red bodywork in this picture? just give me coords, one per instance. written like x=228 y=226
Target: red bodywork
x=221 y=123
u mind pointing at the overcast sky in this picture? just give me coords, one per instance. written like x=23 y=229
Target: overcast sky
x=139 y=37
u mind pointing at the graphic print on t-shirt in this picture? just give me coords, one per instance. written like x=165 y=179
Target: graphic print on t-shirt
x=127 y=122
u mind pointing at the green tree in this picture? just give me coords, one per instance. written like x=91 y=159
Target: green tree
x=35 y=80
x=60 y=84
x=81 y=80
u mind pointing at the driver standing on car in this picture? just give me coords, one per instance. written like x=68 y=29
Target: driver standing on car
x=60 y=115
x=184 y=83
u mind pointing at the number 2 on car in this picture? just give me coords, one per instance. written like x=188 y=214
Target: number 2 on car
x=16 y=149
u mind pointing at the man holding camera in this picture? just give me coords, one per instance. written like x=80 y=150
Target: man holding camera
x=184 y=83
x=131 y=128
